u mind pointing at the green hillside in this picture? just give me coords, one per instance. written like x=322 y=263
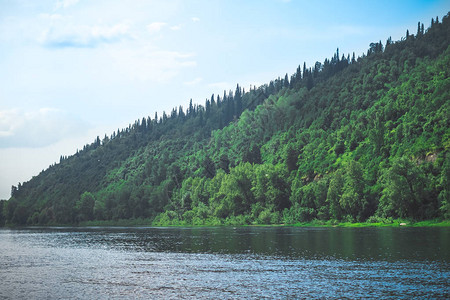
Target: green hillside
x=350 y=139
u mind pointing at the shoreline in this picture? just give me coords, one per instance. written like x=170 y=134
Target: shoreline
x=325 y=224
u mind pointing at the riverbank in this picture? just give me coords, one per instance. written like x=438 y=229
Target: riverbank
x=394 y=223
x=227 y=223
x=315 y=223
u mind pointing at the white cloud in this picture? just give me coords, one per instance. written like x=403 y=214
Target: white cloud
x=175 y=27
x=65 y=3
x=146 y=63
x=155 y=27
x=194 y=81
x=51 y=17
x=63 y=35
x=45 y=126
x=195 y=19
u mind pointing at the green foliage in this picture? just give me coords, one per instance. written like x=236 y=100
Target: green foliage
x=444 y=184
x=85 y=206
x=352 y=200
x=366 y=139
x=404 y=194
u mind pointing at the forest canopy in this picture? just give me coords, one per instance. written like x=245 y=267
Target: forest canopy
x=351 y=139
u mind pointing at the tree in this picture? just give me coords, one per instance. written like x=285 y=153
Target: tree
x=444 y=195
x=352 y=200
x=375 y=48
x=224 y=163
x=304 y=70
x=309 y=81
x=208 y=165
x=144 y=124
x=207 y=108
x=292 y=157
x=286 y=81
x=238 y=100
x=252 y=154
x=419 y=30
x=376 y=134
x=403 y=190
x=9 y=208
x=20 y=215
x=334 y=194
x=190 y=111
x=13 y=191
x=236 y=191
x=181 y=112
x=388 y=41
x=86 y=206
x=270 y=187
x=173 y=114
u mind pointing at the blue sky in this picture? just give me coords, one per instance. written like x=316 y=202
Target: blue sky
x=73 y=69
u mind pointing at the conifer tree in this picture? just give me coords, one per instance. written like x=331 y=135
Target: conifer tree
x=298 y=74
x=144 y=124
x=173 y=114
x=304 y=70
x=207 y=107
x=191 y=108
x=238 y=100
x=180 y=112
x=388 y=41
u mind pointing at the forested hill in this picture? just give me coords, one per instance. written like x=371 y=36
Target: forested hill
x=350 y=139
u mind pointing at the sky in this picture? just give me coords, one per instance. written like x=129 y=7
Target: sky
x=72 y=70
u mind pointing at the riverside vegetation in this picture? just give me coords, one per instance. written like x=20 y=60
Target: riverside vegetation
x=352 y=139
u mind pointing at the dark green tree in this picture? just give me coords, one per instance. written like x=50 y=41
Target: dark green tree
x=444 y=195
x=404 y=190
x=352 y=200
x=86 y=206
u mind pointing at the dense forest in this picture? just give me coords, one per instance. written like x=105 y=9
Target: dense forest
x=351 y=139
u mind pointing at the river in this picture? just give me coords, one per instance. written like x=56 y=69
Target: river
x=224 y=263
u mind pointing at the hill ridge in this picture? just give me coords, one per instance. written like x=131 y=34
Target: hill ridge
x=338 y=141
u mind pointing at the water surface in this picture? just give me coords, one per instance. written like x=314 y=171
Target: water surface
x=244 y=262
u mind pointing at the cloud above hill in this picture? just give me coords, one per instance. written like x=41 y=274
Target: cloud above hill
x=37 y=128
x=84 y=36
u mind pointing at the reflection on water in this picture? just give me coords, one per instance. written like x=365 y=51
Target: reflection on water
x=249 y=262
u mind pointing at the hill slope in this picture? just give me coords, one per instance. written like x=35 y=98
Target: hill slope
x=350 y=139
